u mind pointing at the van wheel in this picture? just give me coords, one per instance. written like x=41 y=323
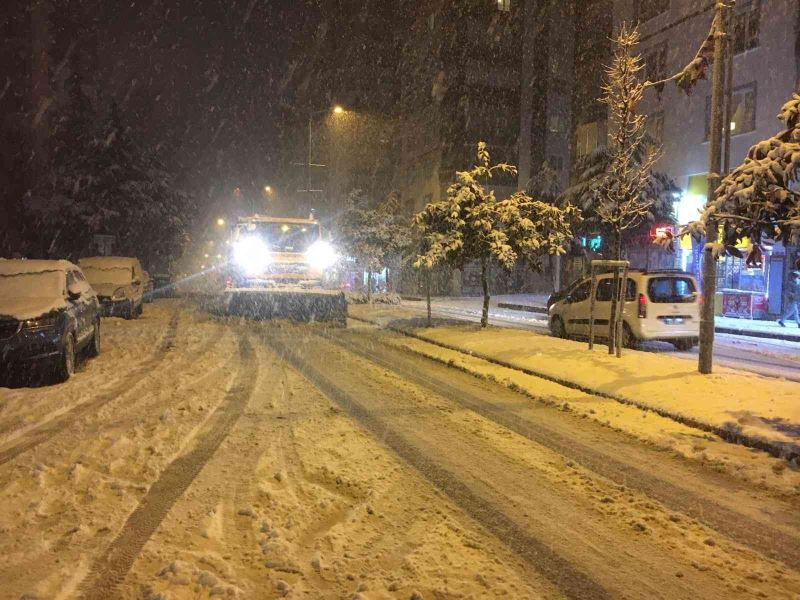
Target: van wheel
x=66 y=362
x=557 y=328
x=683 y=344
x=93 y=349
x=628 y=339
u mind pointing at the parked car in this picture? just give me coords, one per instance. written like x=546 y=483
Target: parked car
x=659 y=305
x=119 y=282
x=48 y=313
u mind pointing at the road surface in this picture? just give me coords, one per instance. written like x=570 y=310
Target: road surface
x=205 y=458
x=771 y=358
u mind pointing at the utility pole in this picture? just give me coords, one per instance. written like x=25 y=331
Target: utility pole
x=705 y=361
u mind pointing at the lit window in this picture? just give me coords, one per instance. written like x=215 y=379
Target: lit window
x=504 y=5
x=743 y=110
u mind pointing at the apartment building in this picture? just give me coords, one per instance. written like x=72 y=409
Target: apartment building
x=765 y=74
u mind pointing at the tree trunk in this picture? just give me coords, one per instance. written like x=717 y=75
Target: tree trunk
x=369 y=286
x=612 y=317
x=706 y=351
x=428 y=294
x=485 y=285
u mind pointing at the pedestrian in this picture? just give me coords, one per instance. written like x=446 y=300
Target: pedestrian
x=792 y=300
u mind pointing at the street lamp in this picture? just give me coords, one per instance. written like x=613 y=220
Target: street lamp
x=221 y=222
x=337 y=110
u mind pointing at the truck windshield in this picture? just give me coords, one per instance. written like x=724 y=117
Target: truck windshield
x=284 y=237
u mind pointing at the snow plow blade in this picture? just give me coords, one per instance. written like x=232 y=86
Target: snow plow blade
x=308 y=306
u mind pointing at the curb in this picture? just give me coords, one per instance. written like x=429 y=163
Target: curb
x=784 y=450
x=788 y=337
x=523 y=307
x=758 y=334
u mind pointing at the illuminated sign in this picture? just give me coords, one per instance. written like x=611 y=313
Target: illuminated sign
x=593 y=243
x=662 y=231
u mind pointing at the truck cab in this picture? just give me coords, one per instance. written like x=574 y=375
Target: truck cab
x=269 y=251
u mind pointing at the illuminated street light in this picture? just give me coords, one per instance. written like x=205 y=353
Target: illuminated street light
x=205 y=255
x=338 y=109
x=268 y=189
x=221 y=222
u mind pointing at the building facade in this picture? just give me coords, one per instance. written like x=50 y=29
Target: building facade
x=766 y=64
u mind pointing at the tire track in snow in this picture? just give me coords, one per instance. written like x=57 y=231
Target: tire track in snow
x=569 y=579
x=761 y=536
x=47 y=430
x=109 y=570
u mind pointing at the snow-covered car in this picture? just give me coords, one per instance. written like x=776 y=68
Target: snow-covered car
x=48 y=313
x=119 y=282
x=659 y=305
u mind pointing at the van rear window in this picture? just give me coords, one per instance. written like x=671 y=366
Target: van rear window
x=671 y=289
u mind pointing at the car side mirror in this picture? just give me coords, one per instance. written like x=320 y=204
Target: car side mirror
x=569 y=299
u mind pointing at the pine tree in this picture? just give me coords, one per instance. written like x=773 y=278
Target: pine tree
x=470 y=224
x=104 y=183
x=621 y=203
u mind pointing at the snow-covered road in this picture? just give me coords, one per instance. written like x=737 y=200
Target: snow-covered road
x=201 y=458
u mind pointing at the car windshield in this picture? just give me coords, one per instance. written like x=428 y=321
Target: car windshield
x=47 y=284
x=116 y=275
x=671 y=290
x=284 y=237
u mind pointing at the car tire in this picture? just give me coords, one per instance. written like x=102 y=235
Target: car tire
x=93 y=349
x=628 y=339
x=557 y=328
x=66 y=361
x=140 y=310
x=683 y=344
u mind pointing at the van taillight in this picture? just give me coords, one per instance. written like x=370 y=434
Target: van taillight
x=642 y=306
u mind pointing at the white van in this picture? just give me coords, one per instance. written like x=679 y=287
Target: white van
x=659 y=305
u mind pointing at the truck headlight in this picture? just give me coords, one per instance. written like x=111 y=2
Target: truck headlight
x=321 y=255
x=251 y=254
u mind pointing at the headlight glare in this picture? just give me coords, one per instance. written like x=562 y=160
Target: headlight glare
x=251 y=254
x=321 y=255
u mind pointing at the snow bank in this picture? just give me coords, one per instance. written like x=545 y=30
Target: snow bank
x=728 y=401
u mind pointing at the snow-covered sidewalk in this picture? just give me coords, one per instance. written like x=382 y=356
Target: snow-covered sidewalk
x=759 y=411
x=747 y=327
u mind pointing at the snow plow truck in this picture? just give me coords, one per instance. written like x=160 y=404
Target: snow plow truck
x=282 y=268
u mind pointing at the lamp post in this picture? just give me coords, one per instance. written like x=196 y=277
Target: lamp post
x=337 y=110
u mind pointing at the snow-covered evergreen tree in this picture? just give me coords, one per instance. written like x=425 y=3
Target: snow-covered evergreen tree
x=104 y=183
x=760 y=199
x=470 y=224
x=373 y=235
x=621 y=203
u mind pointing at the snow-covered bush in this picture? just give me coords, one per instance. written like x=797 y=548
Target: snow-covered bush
x=364 y=298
